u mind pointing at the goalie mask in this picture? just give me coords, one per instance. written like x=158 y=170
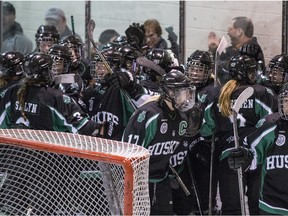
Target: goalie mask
x=199 y=67
x=243 y=69
x=178 y=89
x=61 y=56
x=11 y=64
x=277 y=71
x=45 y=37
x=283 y=102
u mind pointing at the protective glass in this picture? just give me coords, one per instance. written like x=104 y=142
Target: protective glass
x=276 y=75
x=283 y=105
x=198 y=73
x=184 y=98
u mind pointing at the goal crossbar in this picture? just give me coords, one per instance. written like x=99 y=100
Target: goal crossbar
x=91 y=148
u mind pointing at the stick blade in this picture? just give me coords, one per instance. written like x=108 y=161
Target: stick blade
x=248 y=92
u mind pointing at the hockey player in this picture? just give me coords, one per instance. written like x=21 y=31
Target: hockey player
x=45 y=37
x=243 y=70
x=11 y=68
x=276 y=72
x=159 y=127
x=35 y=104
x=268 y=144
x=196 y=170
x=68 y=82
x=110 y=101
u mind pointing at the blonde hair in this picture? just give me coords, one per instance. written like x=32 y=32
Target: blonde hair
x=225 y=97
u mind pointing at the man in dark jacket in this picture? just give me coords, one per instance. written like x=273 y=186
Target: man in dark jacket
x=241 y=33
x=13 y=36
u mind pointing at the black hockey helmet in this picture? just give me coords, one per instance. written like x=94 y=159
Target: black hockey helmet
x=199 y=67
x=11 y=63
x=161 y=57
x=61 y=56
x=178 y=89
x=243 y=69
x=38 y=67
x=76 y=46
x=277 y=71
x=112 y=55
x=283 y=102
x=122 y=40
x=47 y=33
x=128 y=57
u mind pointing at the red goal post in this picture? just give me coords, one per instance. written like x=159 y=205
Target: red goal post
x=48 y=172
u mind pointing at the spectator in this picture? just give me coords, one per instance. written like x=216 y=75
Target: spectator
x=56 y=17
x=13 y=36
x=153 y=38
x=241 y=34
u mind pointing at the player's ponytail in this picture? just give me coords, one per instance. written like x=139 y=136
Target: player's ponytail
x=225 y=97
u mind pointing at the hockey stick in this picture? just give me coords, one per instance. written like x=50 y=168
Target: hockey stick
x=195 y=188
x=72 y=25
x=248 y=92
x=183 y=186
x=211 y=174
x=91 y=27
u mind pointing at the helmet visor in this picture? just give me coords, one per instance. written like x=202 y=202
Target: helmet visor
x=184 y=98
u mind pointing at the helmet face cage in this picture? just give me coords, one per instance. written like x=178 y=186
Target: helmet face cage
x=98 y=70
x=276 y=74
x=198 y=73
x=283 y=104
x=59 y=66
x=244 y=69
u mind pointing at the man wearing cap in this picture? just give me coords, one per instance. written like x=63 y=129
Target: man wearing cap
x=13 y=36
x=56 y=17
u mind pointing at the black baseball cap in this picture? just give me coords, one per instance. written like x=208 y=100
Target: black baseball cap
x=8 y=7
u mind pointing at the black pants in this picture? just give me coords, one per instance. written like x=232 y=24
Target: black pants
x=229 y=189
x=161 y=198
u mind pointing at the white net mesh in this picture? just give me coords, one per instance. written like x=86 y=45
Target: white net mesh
x=55 y=173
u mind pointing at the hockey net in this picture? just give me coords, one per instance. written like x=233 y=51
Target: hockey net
x=56 y=173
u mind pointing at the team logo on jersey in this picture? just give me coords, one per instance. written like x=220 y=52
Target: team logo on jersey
x=66 y=99
x=173 y=133
x=185 y=143
x=280 y=140
x=164 y=127
x=182 y=128
x=202 y=97
x=141 y=117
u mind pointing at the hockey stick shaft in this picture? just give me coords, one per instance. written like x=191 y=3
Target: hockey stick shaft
x=211 y=174
x=91 y=27
x=183 y=186
x=72 y=25
x=195 y=188
x=248 y=92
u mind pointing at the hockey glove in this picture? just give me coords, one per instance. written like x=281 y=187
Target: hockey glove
x=172 y=37
x=124 y=80
x=239 y=157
